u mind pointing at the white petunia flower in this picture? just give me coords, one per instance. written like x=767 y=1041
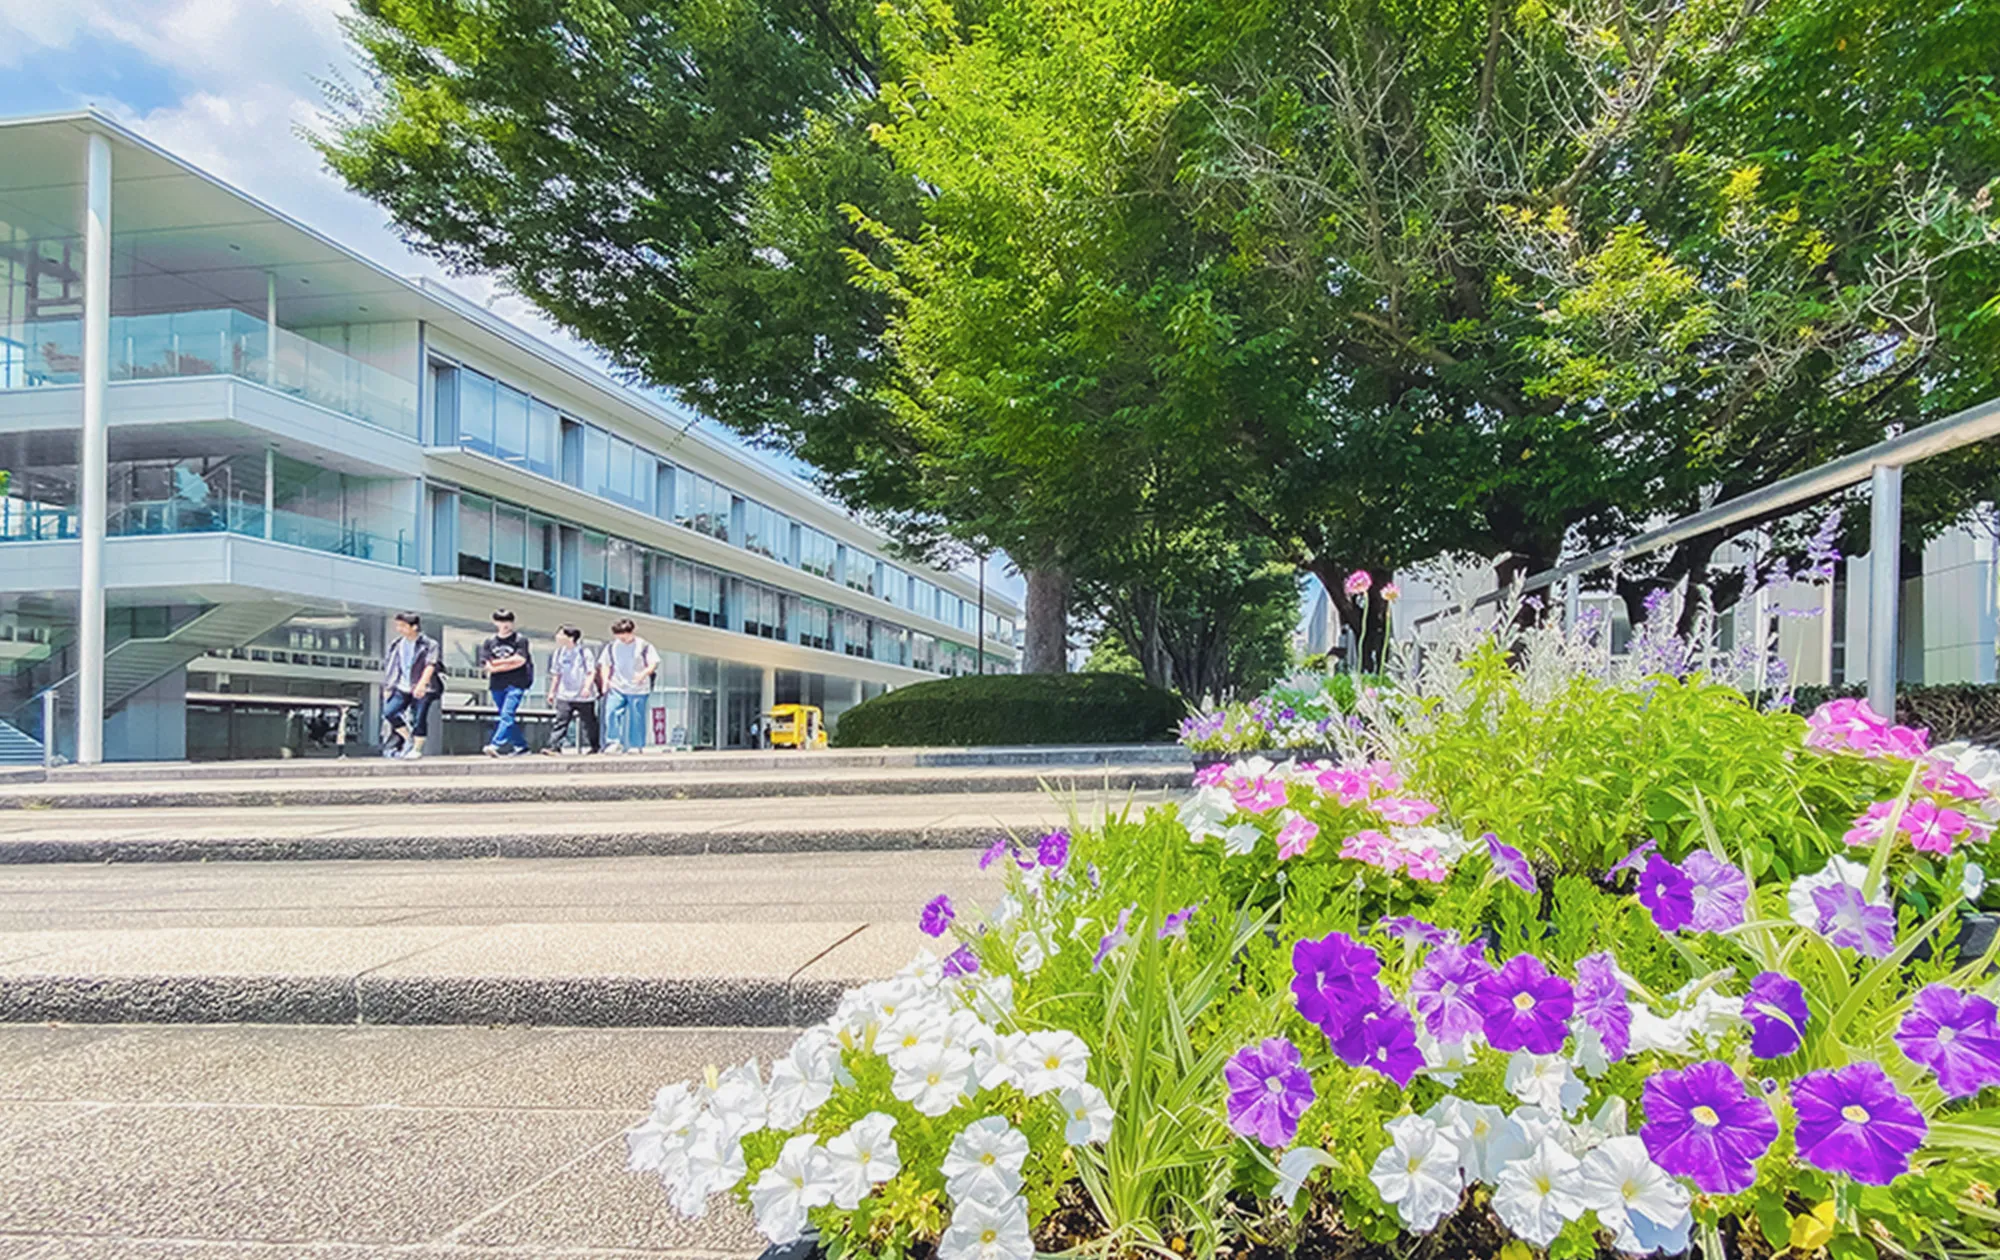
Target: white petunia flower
x=801 y=1179
x=1487 y=1137
x=658 y=1144
x=1296 y=1165
x=1048 y=1062
x=982 y=1231
x=1087 y=1115
x=1838 y=870
x=1241 y=839
x=737 y=1099
x=1418 y=1173
x=1621 y=1183
x=984 y=1162
x=989 y=995
x=1032 y=949
x=1204 y=813
x=803 y=1079
x=1545 y=1080
x=933 y=1078
x=1539 y=1193
x=916 y=1028
x=1609 y=1122
x=1973 y=882
x=863 y=1157
x=714 y=1165
x=1444 y=1058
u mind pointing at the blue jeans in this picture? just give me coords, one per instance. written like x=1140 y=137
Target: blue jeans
x=625 y=719
x=507 y=729
x=406 y=715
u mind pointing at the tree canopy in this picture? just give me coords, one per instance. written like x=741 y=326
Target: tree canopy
x=1364 y=281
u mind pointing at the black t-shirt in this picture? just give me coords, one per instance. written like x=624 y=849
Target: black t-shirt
x=503 y=647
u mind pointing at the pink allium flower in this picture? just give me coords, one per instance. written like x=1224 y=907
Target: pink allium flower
x=1429 y=866
x=1384 y=777
x=1867 y=829
x=1358 y=582
x=1371 y=847
x=1296 y=836
x=1933 y=829
x=1259 y=796
x=1391 y=592
x=1404 y=811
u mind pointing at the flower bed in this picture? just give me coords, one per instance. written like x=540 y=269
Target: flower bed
x=1539 y=962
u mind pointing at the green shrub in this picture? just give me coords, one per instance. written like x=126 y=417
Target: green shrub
x=1013 y=709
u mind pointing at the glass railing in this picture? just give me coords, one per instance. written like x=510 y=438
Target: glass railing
x=395 y=545
x=212 y=343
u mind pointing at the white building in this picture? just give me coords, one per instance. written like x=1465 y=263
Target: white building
x=300 y=443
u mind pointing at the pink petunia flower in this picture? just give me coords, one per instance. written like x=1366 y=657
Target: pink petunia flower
x=1344 y=783
x=1404 y=811
x=1384 y=777
x=1212 y=775
x=1428 y=865
x=1371 y=847
x=1867 y=829
x=1932 y=828
x=1260 y=795
x=1296 y=836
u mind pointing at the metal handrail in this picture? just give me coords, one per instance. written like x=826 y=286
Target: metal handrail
x=1883 y=463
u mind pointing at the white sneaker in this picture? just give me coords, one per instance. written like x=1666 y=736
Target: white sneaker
x=613 y=748
x=410 y=754
x=491 y=750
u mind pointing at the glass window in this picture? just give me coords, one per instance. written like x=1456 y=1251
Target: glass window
x=619 y=557
x=618 y=477
x=591 y=559
x=815 y=624
x=444 y=404
x=596 y=459
x=475 y=411
x=572 y=453
x=763 y=612
x=663 y=497
x=544 y=542
x=854 y=638
x=643 y=478
x=542 y=438
x=858 y=568
x=510 y=424
x=647 y=569
x=475 y=537
x=817 y=552
x=510 y=545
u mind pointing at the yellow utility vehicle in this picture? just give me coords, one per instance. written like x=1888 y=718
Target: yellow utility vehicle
x=795 y=726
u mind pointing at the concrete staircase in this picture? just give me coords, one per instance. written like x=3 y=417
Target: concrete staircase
x=18 y=748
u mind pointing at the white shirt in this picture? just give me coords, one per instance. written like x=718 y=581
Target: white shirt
x=570 y=670
x=625 y=660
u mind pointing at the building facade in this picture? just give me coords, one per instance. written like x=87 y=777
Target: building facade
x=297 y=443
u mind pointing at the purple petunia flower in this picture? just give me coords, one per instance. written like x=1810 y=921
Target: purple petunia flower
x=1410 y=928
x=1666 y=890
x=1111 y=940
x=1775 y=1007
x=1848 y=920
x=1854 y=1120
x=1268 y=1091
x=1053 y=851
x=1523 y=1007
x=1509 y=863
x=937 y=916
x=1602 y=1005
x=1633 y=861
x=1333 y=976
x=1720 y=892
x=961 y=962
x=1702 y=1123
x=1383 y=1037
x=1444 y=987
x=1177 y=921
x=1954 y=1034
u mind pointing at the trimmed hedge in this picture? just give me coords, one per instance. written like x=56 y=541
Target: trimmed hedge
x=1949 y=710
x=1013 y=709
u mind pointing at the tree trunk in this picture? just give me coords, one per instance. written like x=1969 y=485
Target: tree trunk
x=1046 y=621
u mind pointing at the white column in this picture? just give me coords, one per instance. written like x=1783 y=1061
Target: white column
x=271 y=328
x=1885 y=582
x=270 y=488
x=91 y=474
x=769 y=694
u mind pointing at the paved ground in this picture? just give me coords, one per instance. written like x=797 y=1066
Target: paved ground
x=763 y=939
x=148 y=832
x=271 y=1143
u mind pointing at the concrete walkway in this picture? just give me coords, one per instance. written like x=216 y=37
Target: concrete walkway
x=199 y=1143
x=152 y=833
x=653 y=941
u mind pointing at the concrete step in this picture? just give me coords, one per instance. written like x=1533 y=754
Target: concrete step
x=553 y=779
x=549 y=830
x=620 y=942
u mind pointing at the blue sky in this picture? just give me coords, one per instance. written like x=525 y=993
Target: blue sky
x=226 y=84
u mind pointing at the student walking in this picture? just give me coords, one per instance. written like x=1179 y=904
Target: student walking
x=411 y=683
x=572 y=692
x=626 y=672
x=510 y=671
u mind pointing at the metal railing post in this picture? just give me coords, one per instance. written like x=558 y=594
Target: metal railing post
x=49 y=729
x=1885 y=579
